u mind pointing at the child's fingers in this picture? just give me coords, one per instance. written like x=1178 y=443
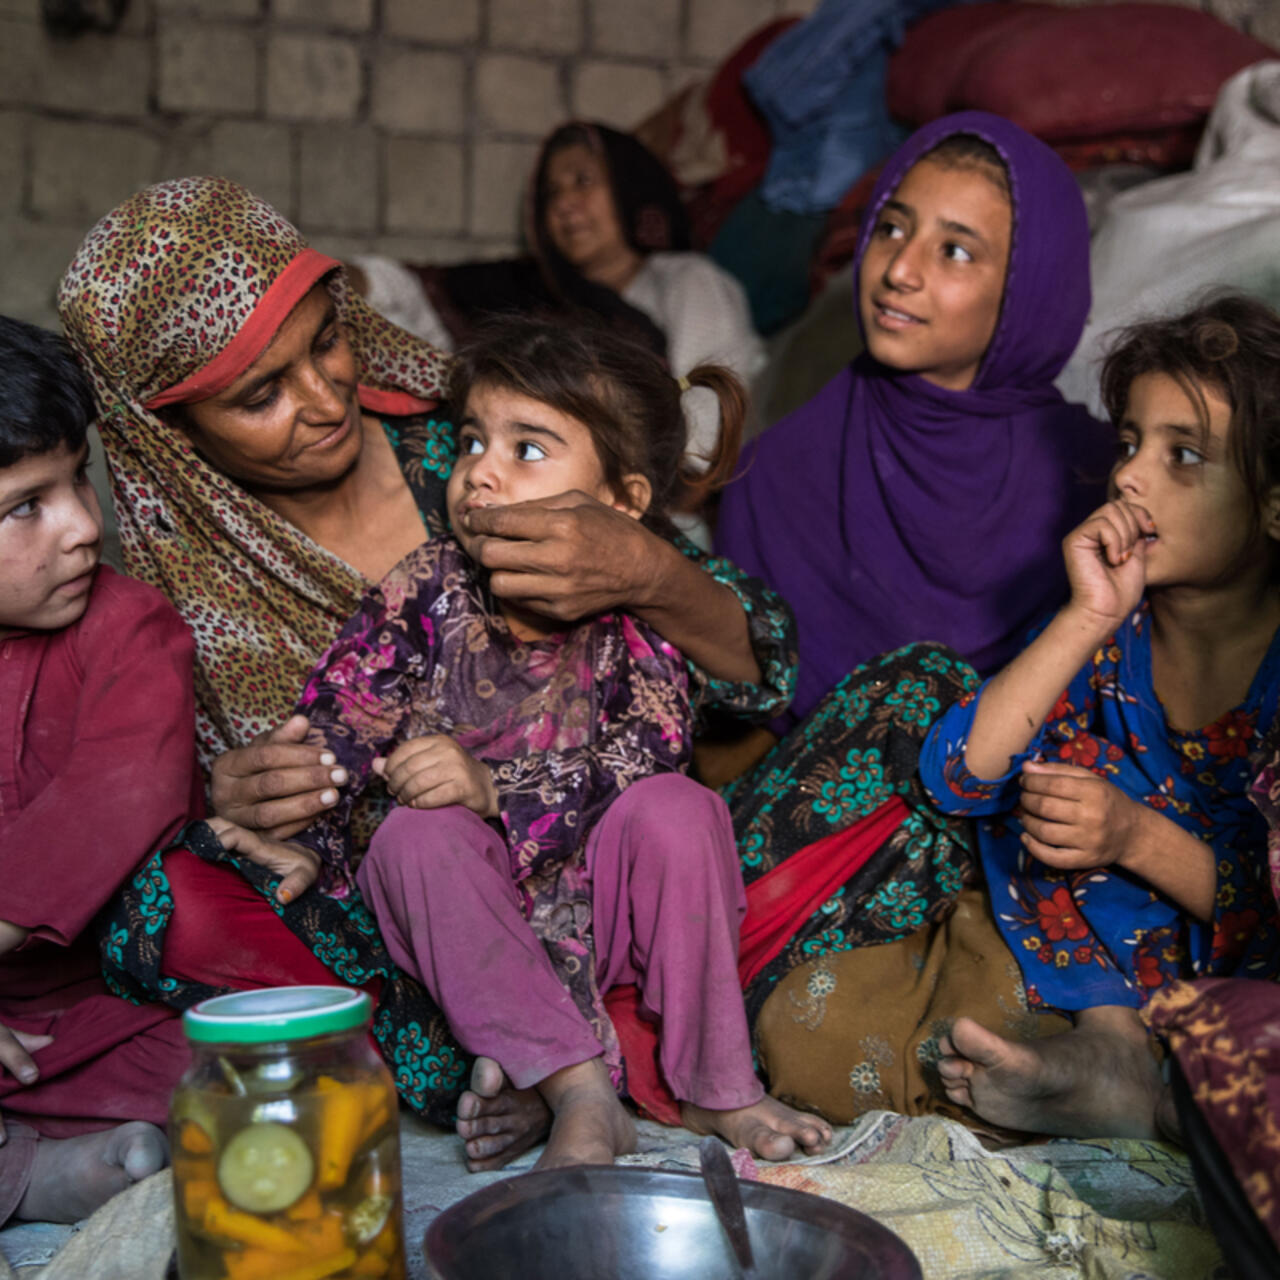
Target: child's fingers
x=436 y=792
x=1063 y=856
x=14 y=1055
x=407 y=781
x=1061 y=835
x=1036 y=773
x=304 y=874
x=1116 y=541
x=418 y=755
x=1139 y=514
x=222 y=828
x=1050 y=807
x=412 y=749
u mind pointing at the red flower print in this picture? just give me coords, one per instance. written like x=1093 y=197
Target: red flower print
x=1045 y=954
x=1149 y=973
x=1059 y=918
x=1234 y=930
x=1082 y=955
x=1062 y=708
x=1082 y=750
x=1228 y=738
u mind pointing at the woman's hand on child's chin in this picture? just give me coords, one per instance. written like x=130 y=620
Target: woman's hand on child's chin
x=1072 y=819
x=434 y=771
x=298 y=868
x=1106 y=563
x=567 y=557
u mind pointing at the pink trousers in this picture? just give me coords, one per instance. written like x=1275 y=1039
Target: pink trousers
x=667 y=902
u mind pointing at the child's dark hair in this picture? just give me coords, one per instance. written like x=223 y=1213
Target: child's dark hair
x=621 y=392
x=45 y=399
x=968 y=151
x=1230 y=342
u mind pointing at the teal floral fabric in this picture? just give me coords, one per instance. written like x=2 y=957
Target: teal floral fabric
x=857 y=749
x=430 y=1069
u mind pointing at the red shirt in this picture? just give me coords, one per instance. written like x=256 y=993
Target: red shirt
x=97 y=771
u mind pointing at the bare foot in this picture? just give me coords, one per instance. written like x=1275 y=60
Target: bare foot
x=769 y=1129
x=591 y=1126
x=495 y=1121
x=1096 y=1081
x=72 y=1177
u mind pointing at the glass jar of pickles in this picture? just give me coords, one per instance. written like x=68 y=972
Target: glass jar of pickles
x=286 y=1146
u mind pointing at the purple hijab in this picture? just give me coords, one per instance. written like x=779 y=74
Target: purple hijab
x=888 y=510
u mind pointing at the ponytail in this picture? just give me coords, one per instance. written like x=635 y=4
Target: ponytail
x=701 y=475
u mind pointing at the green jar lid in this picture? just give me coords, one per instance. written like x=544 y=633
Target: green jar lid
x=272 y=1014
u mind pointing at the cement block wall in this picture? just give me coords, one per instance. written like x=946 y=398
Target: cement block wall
x=402 y=126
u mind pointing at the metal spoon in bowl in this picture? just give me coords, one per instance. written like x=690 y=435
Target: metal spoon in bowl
x=722 y=1187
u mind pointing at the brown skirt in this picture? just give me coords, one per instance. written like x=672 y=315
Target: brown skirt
x=858 y=1030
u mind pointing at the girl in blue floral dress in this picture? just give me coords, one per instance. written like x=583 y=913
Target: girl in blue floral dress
x=1118 y=840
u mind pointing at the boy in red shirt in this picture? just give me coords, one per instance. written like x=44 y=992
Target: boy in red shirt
x=97 y=770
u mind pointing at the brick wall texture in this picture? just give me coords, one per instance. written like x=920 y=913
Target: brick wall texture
x=400 y=126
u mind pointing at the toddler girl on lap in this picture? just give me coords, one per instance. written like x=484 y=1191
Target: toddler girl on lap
x=547 y=845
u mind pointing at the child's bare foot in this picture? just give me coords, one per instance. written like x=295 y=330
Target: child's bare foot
x=1096 y=1081
x=497 y=1122
x=591 y=1126
x=769 y=1129
x=74 y=1176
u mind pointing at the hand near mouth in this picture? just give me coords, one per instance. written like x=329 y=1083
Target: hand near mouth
x=565 y=557
x=1106 y=561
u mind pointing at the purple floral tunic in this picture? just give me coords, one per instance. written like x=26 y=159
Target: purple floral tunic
x=564 y=724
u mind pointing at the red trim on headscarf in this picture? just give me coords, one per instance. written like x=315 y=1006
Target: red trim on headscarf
x=777 y=905
x=398 y=404
x=286 y=291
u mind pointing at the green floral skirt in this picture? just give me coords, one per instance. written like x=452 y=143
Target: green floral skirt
x=857 y=749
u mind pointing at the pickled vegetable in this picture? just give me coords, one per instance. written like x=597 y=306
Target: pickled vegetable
x=301 y=1185
x=265 y=1168
x=193 y=1139
x=223 y=1222
x=340 y=1131
x=366 y=1220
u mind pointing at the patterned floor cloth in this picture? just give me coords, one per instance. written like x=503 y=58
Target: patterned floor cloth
x=1099 y=1210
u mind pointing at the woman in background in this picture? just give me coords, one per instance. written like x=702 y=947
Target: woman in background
x=607 y=234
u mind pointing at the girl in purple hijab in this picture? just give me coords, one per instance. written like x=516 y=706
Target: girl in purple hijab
x=922 y=494
x=920 y=497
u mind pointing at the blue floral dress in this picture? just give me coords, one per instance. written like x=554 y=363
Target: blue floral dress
x=1101 y=935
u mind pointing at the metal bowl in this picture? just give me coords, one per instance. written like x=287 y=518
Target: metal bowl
x=602 y=1223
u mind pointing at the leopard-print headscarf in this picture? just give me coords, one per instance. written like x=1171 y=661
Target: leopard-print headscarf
x=169 y=299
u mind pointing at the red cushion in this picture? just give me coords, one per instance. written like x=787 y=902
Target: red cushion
x=1068 y=73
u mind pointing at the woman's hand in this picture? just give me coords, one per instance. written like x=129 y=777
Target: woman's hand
x=1106 y=562
x=566 y=557
x=278 y=784
x=1073 y=820
x=16 y=1048
x=431 y=772
x=298 y=868
x=569 y=557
